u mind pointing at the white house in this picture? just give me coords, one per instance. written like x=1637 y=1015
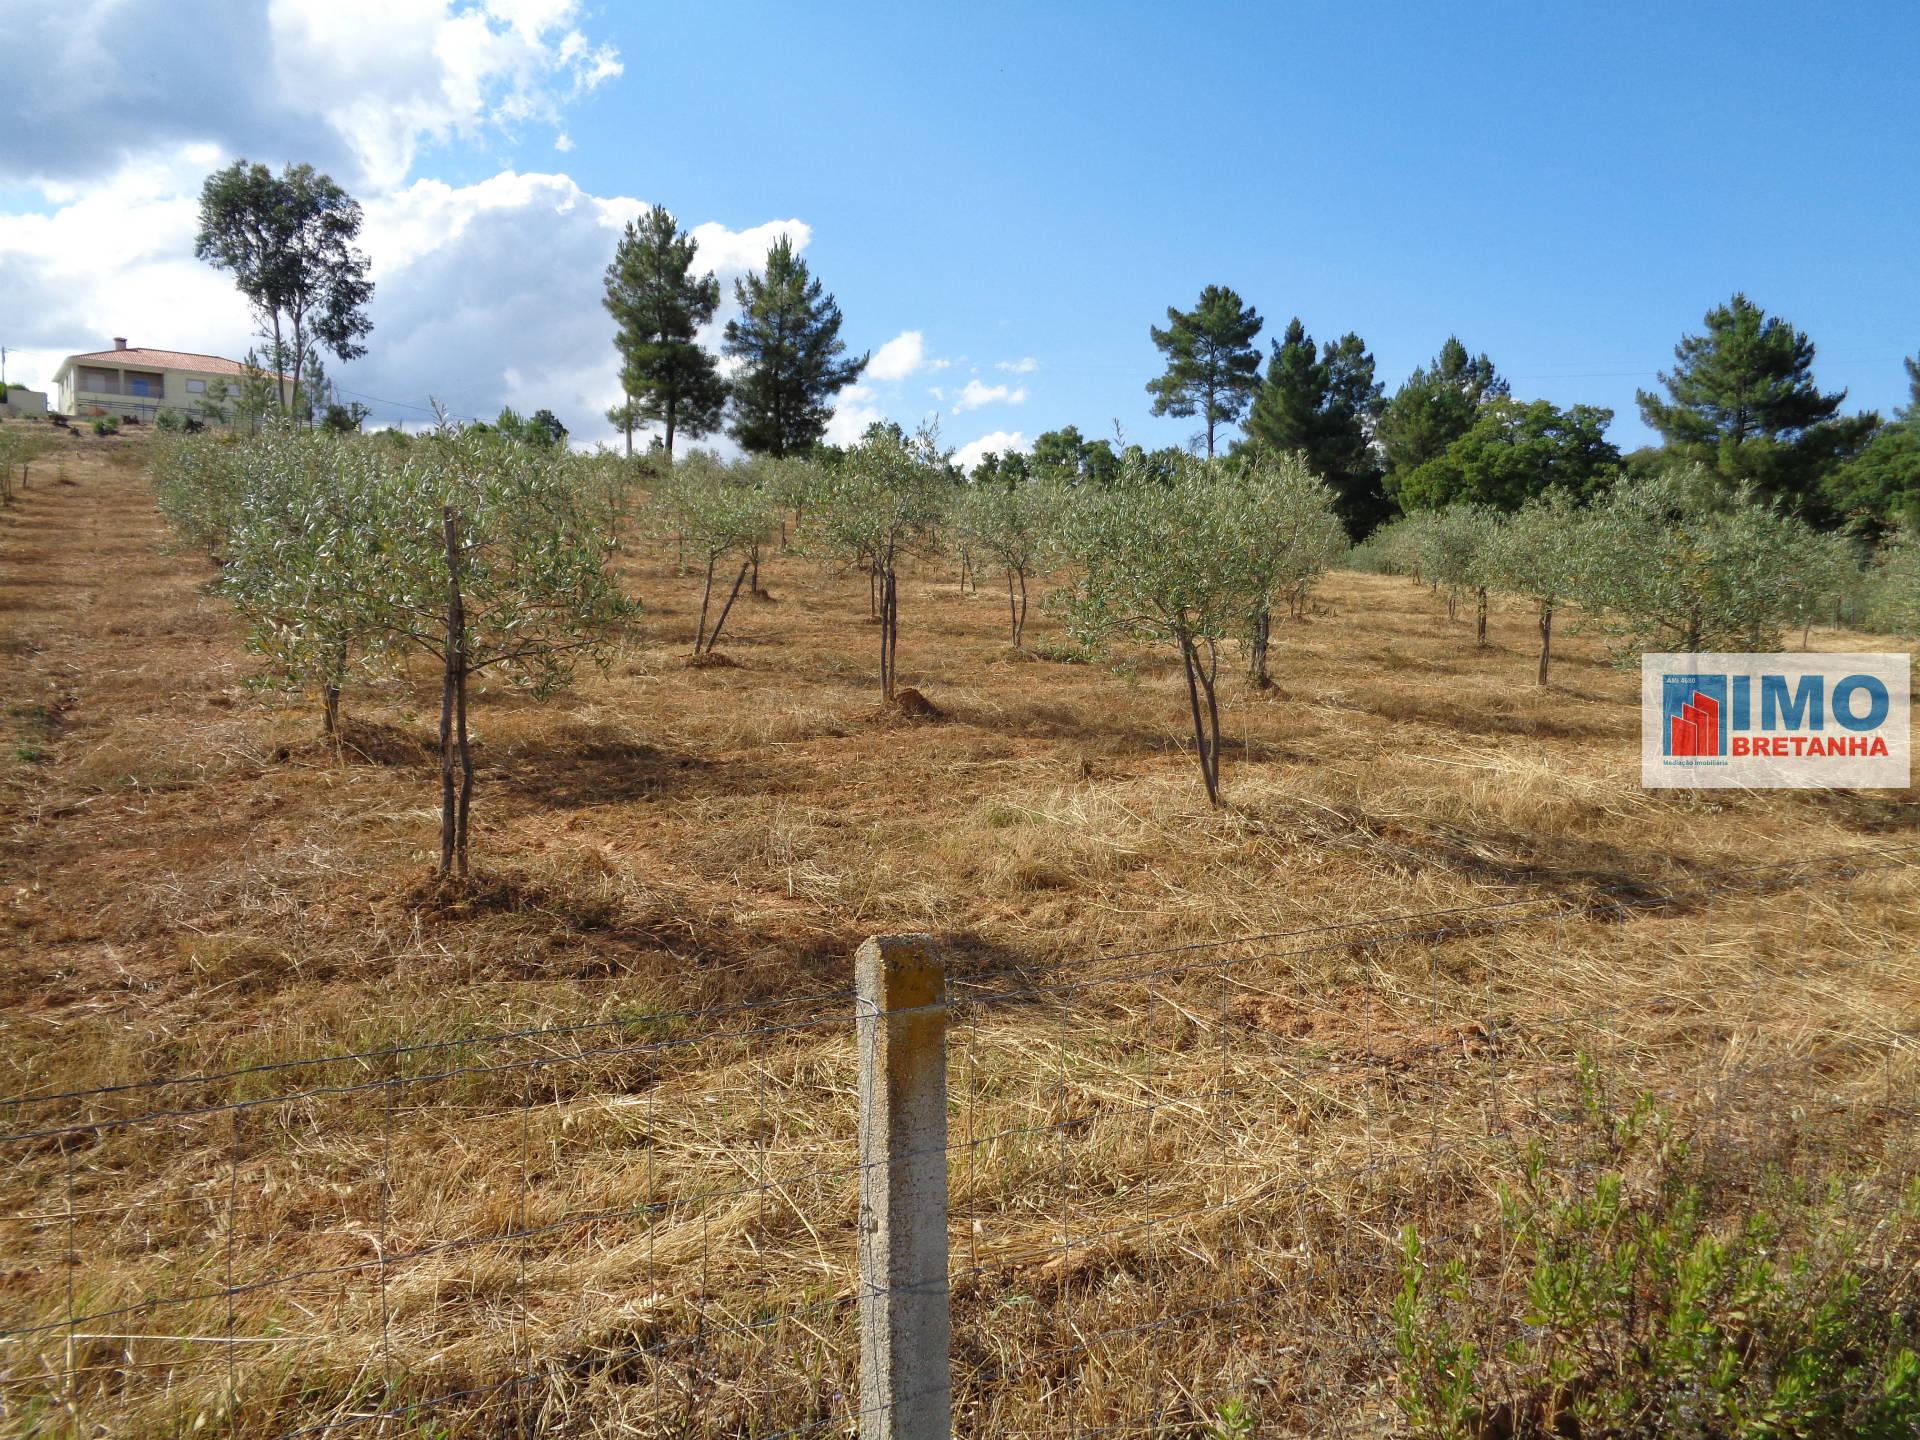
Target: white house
x=137 y=383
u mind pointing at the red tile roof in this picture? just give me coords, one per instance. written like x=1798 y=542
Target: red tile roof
x=163 y=360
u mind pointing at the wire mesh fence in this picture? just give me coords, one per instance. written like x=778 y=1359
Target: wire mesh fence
x=1177 y=1180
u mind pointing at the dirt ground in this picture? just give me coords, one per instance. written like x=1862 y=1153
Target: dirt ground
x=195 y=882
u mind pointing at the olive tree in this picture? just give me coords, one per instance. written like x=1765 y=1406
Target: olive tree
x=715 y=510
x=1286 y=533
x=1010 y=525
x=490 y=561
x=1676 y=562
x=1538 y=554
x=1893 y=588
x=1822 y=575
x=199 y=483
x=790 y=483
x=884 y=501
x=1452 y=544
x=1162 y=561
x=18 y=447
x=302 y=559
x=1393 y=548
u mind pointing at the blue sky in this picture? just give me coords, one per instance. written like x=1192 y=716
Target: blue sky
x=1566 y=187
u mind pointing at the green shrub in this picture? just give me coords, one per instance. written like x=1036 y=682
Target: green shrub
x=1649 y=1310
x=109 y=425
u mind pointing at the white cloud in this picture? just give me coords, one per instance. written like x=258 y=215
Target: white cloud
x=974 y=395
x=563 y=142
x=355 y=86
x=899 y=357
x=1025 y=365
x=1000 y=442
x=939 y=392
x=852 y=415
x=388 y=77
x=734 y=252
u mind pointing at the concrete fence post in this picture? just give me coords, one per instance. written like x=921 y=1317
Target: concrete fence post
x=906 y=1387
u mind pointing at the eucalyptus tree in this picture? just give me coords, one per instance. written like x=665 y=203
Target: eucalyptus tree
x=1161 y=562
x=715 y=510
x=1676 y=562
x=884 y=501
x=1538 y=554
x=289 y=242
x=1010 y=525
x=1286 y=531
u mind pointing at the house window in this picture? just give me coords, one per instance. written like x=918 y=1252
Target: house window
x=99 y=382
x=196 y=387
x=142 y=384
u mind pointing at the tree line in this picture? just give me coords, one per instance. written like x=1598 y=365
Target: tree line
x=1740 y=401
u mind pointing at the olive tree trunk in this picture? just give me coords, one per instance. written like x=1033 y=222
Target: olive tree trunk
x=725 y=610
x=1206 y=718
x=1257 y=659
x=456 y=755
x=889 y=631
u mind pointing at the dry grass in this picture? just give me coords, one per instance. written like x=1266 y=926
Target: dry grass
x=1166 y=1191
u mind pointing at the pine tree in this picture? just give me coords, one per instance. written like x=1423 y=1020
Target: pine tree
x=1436 y=407
x=1880 y=487
x=787 y=338
x=1213 y=366
x=1347 y=457
x=1286 y=412
x=1325 y=409
x=658 y=306
x=1742 y=401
